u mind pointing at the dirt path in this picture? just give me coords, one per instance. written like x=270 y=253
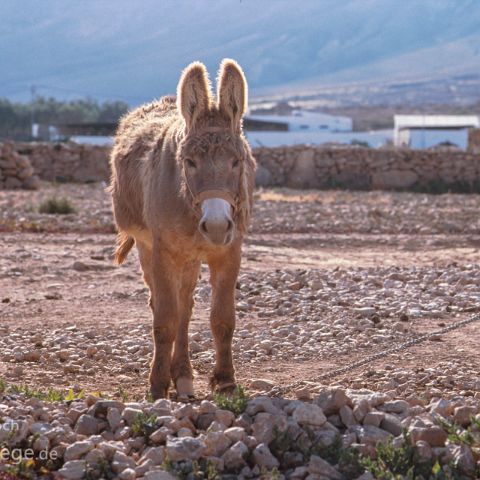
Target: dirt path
x=60 y=292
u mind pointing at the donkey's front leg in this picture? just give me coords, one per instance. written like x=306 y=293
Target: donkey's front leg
x=181 y=369
x=223 y=277
x=165 y=318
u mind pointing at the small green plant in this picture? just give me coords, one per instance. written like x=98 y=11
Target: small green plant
x=144 y=425
x=149 y=396
x=22 y=469
x=102 y=470
x=211 y=471
x=347 y=459
x=50 y=395
x=30 y=468
x=70 y=396
x=266 y=474
x=456 y=434
x=236 y=403
x=167 y=464
x=198 y=469
x=123 y=394
x=392 y=462
x=54 y=205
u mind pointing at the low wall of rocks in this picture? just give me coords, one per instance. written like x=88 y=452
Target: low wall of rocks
x=364 y=168
x=16 y=170
x=474 y=140
x=68 y=161
x=297 y=167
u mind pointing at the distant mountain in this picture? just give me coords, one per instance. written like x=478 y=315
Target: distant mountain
x=135 y=50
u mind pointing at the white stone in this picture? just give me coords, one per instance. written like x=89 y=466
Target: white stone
x=186 y=448
x=309 y=414
x=73 y=470
x=234 y=457
x=262 y=456
x=77 y=450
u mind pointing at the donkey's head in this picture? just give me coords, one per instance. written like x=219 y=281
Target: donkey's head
x=214 y=153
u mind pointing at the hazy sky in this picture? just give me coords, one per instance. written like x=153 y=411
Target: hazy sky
x=135 y=50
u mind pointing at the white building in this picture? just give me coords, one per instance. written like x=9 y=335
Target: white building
x=424 y=131
x=373 y=139
x=301 y=127
x=301 y=121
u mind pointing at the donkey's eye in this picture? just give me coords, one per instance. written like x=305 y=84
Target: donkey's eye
x=190 y=163
x=235 y=163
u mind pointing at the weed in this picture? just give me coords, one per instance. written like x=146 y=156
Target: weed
x=167 y=464
x=475 y=424
x=198 y=469
x=348 y=459
x=23 y=469
x=101 y=470
x=392 y=462
x=70 y=396
x=266 y=474
x=123 y=394
x=236 y=403
x=50 y=395
x=144 y=425
x=211 y=472
x=149 y=396
x=30 y=468
x=456 y=434
x=54 y=205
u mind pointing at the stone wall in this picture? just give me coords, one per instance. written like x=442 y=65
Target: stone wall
x=474 y=140
x=68 y=161
x=16 y=171
x=364 y=168
x=297 y=167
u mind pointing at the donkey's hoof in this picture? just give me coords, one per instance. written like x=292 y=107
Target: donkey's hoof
x=185 y=398
x=225 y=388
x=158 y=393
x=184 y=387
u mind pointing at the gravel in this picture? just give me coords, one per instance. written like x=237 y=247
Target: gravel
x=245 y=449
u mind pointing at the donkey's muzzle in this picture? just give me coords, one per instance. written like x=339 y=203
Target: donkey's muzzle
x=216 y=224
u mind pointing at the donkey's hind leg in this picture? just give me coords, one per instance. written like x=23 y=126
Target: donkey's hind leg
x=145 y=257
x=181 y=369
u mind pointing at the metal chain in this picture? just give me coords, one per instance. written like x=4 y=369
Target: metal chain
x=377 y=356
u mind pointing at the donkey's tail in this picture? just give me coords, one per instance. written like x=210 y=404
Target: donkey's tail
x=124 y=244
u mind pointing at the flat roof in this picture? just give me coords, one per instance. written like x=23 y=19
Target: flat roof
x=433 y=121
x=299 y=117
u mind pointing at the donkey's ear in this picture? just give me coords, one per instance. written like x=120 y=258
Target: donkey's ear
x=193 y=93
x=232 y=92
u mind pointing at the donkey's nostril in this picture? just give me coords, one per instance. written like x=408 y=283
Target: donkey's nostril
x=216 y=224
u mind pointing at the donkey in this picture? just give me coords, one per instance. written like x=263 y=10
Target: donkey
x=182 y=192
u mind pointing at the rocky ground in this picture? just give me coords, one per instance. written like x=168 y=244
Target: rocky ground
x=328 y=278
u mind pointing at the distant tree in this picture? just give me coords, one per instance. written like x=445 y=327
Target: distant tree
x=112 y=111
x=15 y=118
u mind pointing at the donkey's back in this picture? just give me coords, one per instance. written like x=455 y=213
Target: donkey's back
x=139 y=132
